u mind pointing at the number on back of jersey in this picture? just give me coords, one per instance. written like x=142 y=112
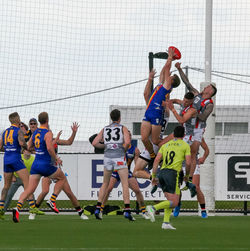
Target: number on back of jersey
x=113 y=136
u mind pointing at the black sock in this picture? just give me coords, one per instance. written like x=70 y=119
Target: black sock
x=203 y=207
x=127 y=208
x=37 y=205
x=79 y=210
x=98 y=205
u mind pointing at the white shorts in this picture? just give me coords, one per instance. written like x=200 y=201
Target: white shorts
x=145 y=154
x=115 y=163
x=198 y=134
x=197 y=170
x=188 y=139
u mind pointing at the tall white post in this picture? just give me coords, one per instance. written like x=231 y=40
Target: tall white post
x=207 y=171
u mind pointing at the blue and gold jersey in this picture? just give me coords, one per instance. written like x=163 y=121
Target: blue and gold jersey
x=158 y=95
x=11 y=145
x=42 y=153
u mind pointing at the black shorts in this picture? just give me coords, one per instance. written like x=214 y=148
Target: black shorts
x=169 y=181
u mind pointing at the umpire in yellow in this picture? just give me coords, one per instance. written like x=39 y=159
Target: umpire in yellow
x=173 y=153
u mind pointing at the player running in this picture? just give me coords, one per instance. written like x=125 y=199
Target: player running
x=46 y=181
x=43 y=165
x=12 y=141
x=173 y=154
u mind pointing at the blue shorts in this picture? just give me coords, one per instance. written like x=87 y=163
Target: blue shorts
x=14 y=166
x=42 y=168
x=155 y=118
x=116 y=175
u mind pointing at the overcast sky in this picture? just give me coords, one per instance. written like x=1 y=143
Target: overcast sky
x=56 y=49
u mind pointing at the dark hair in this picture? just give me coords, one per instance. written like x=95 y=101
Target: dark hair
x=115 y=115
x=215 y=90
x=179 y=132
x=43 y=117
x=176 y=81
x=189 y=95
x=25 y=126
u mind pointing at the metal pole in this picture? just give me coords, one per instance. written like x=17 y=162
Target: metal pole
x=151 y=66
x=208 y=39
x=208 y=172
x=245 y=207
x=186 y=72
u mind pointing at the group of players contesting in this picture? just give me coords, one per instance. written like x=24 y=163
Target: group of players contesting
x=166 y=161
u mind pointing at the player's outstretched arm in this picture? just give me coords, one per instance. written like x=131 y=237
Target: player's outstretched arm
x=148 y=87
x=97 y=140
x=182 y=119
x=165 y=73
x=70 y=140
x=185 y=79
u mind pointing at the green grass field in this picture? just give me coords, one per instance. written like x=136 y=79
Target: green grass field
x=69 y=232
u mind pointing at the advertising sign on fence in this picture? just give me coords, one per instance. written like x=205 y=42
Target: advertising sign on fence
x=232 y=177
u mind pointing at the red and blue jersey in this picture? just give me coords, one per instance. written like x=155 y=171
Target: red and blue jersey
x=11 y=144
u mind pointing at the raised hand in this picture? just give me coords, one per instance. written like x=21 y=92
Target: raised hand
x=58 y=136
x=75 y=127
x=178 y=65
x=152 y=74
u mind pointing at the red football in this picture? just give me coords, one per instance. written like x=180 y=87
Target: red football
x=176 y=51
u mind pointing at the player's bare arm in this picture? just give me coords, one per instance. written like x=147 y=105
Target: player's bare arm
x=30 y=145
x=167 y=74
x=176 y=101
x=21 y=140
x=157 y=160
x=182 y=119
x=203 y=116
x=206 y=151
x=148 y=87
x=71 y=139
x=166 y=139
x=98 y=139
x=185 y=79
x=1 y=145
x=49 y=144
x=126 y=138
